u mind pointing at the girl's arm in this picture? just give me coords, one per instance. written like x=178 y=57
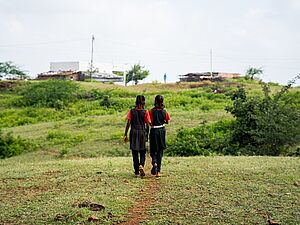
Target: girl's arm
x=147 y=131
x=126 y=130
x=167 y=118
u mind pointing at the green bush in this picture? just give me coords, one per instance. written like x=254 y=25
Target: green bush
x=12 y=146
x=266 y=125
x=51 y=93
x=203 y=140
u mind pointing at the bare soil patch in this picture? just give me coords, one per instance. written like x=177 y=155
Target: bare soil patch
x=145 y=198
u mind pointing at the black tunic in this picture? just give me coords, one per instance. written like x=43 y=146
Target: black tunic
x=158 y=135
x=137 y=134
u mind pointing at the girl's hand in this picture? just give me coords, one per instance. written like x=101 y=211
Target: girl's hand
x=125 y=138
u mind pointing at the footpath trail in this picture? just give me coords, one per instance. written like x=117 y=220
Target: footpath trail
x=145 y=198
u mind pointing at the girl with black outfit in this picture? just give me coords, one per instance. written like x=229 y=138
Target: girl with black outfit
x=138 y=119
x=159 y=117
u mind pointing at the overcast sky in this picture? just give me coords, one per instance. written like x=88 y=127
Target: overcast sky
x=166 y=36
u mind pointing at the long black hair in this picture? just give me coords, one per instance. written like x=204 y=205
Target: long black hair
x=159 y=102
x=140 y=101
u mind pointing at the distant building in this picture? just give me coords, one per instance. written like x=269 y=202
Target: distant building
x=12 y=77
x=63 y=71
x=195 y=77
x=80 y=72
x=106 y=77
x=228 y=75
x=64 y=66
x=62 y=75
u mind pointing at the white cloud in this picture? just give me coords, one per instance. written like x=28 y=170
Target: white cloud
x=167 y=36
x=260 y=13
x=163 y=2
x=13 y=25
x=241 y=33
x=295 y=4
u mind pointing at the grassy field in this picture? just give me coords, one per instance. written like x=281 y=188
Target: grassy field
x=81 y=159
x=197 y=190
x=86 y=129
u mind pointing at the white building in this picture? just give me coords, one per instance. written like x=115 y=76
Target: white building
x=64 y=66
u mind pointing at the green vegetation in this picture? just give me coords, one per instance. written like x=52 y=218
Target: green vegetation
x=12 y=146
x=51 y=93
x=80 y=157
x=207 y=139
x=264 y=126
x=93 y=115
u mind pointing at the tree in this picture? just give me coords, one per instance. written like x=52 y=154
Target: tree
x=252 y=71
x=136 y=73
x=8 y=68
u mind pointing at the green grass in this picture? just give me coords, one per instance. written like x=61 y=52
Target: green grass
x=37 y=192
x=228 y=190
x=196 y=190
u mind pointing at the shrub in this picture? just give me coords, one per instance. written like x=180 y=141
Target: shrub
x=266 y=125
x=12 y=146
x=203 y=140
x=52 y=93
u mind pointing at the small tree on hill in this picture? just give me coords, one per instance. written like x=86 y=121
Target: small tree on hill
x=252 y=71
x=136 y=73
x=8 y=68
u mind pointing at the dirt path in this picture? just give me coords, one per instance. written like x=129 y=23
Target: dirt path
x=145 y=198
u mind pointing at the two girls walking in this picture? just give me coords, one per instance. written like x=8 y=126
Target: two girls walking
x=139 y=120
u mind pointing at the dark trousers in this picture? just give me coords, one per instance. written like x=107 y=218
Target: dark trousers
x=138 y=161
x=156 y=158
x=157 y=145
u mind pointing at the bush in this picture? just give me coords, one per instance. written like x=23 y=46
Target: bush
x=203 y=140
x=51 y=93
x=12 y=146
x=266 y=125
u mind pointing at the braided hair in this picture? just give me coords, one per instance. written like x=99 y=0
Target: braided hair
x=159 y=102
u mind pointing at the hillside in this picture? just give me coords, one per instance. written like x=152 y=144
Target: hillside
x=86 y=122
x=79 y=158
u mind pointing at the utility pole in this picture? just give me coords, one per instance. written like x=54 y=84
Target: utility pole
x=124 y=74
x=92 y=57
x=211 y=72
